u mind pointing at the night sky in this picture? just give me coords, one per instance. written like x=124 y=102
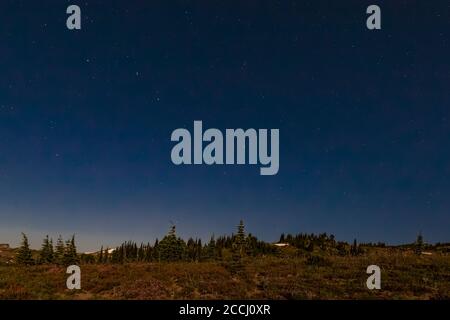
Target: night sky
x=86 y=118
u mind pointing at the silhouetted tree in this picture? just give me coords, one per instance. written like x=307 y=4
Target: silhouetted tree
x=211 y=249
x=24 y=255
x=59 y=251
x=238 y=248
x=418 y=246
x=171 y=248
x=47 y=255
x=100 y=256
x=70 y=252
x=106 y=256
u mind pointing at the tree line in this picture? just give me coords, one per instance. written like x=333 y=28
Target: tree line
x=173 y=248
x=63 y=253
x=233 y=249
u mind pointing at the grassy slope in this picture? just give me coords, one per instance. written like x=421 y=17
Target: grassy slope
x=404 y=276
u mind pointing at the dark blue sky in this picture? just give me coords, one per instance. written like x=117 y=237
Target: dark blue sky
x=86 y=118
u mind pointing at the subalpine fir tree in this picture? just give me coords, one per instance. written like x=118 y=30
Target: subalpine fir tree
x=418 y=246
x=47 y=255
x=52 y=251
x=70 y=252
x=238 y=248
x=106 y=256
x=141 y=253
x=199 y=247
x=239 y=239
x=66 y=256
x=211 y=250
x=251 y=243
x=115 y=258
x=156 y=254
x=171 y=248
x=24 y=255
x=191 y=250
x=59 y=251
x=100 y=256
x=148 y=256
x=135 y=252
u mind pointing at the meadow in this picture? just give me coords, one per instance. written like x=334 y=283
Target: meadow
x=404 y=275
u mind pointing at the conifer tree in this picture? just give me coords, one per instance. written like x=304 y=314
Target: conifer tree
x=238 y=248
x=156 y=253
x=70 y=255
x=198 y=246
x=171 y=248
x=100 y=256
x=148 y=253
x=51 y=250
x=59 y=251
x=47 y=255
x=24 y=255
x=250 y=245
x=106 y=256
x=239 y=239
x=211 y=249
x=115 y=255
x=418 y=246
x=191 y=249
x=141 y=253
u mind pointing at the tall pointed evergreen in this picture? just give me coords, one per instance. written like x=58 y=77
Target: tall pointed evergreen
x=239 y=240
x=73 y=250
x=156 y=254
x=238 y=248
x=418 y=246
x=59 y=251
x=211 y=250
x=70 y=255
x=171 y=248
x=106 y=255
x=24 y=255
x=47 y=255
x=100 y=256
